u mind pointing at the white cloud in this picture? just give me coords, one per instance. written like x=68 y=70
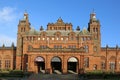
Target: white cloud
x=9 y=18
x=4 y=39
x=7 y=14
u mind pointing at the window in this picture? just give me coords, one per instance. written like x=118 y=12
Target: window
x=74 y=46
x=71 y=46
x=86 y=62
x=86 y=49
x=43 y=46
x=0 y=64
x=43 y=38
x=57 y=46
x=66 y=39
x=29 y=47
x=57 y=38
x=102 y=65
x=84 y=39
x=95 y=49
x=7 y=64
x=88 y=38
x=94 y=67
x=52 y=38
x=61 y=38
x=47 y=38
x=112 y=65
x=38 y=38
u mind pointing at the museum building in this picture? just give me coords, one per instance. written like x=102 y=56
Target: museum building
x=59 y=49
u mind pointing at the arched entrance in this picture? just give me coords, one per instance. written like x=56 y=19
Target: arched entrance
x=72 y=65
x=56 y=65
x=40 y=64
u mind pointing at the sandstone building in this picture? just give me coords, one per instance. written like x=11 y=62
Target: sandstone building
x=59 y=49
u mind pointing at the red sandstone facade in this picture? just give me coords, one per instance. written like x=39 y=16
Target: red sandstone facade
x=59 y=49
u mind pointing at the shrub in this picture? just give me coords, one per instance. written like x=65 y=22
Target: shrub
x=16 y=72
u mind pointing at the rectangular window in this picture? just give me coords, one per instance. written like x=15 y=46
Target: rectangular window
x=102 y=65
x=112 y=66
x=7 y=64
x=43 y=46
x=55 y=46
x=0 y=64
x=86 y=62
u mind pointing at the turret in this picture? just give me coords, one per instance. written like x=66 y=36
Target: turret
x=24 y=24
x=94 y=29
x=23 y=28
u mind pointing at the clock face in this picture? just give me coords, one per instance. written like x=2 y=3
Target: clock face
x=24 y=17
x=94 y=17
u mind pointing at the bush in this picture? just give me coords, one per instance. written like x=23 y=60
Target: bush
x=16 y=72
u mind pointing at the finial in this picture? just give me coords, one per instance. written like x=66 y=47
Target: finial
x=93 y=11
x=25 y=12
x=41 y=28
x=78 y=28
x=3 y=45
x=12 y=44
x=60 y=18
x=116 y=46
x=106 y=46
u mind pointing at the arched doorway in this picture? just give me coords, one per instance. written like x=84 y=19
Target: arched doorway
x=56 y=65
x=40 y=64
x=72 y=65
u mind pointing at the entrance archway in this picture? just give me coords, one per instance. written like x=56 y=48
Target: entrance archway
x=56 y=65
x=72 y=65
x=40 y=64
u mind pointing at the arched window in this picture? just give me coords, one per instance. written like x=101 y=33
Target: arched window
x=95 y=49
x=94 y=67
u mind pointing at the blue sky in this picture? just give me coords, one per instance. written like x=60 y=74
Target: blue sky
x=41 y=12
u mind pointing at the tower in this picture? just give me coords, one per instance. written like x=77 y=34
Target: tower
x=94 y=29
x=23 y=28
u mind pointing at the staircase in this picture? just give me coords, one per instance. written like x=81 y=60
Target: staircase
x=57 y=72
x=70 y=71
x=42 y=71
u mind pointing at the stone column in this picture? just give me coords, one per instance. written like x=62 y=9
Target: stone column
x=64 y=65
x=48 y=65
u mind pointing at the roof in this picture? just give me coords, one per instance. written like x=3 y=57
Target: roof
x=63 y=32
